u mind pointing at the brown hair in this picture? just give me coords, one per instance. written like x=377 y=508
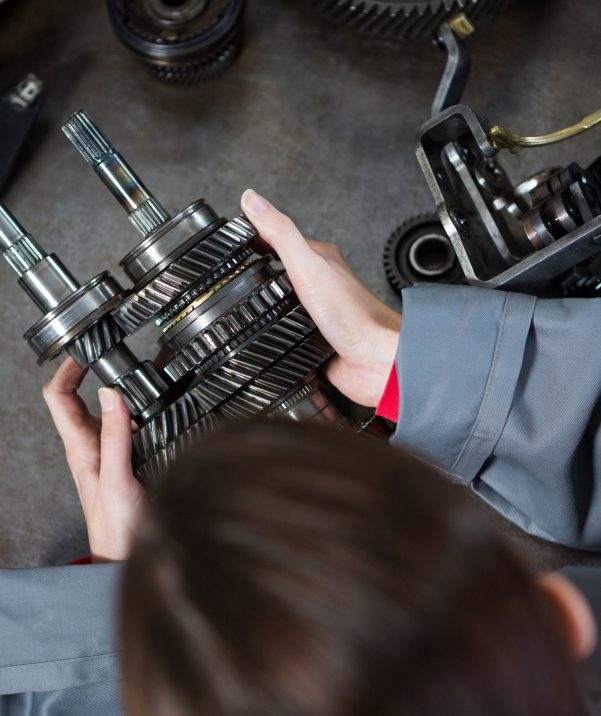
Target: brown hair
x=292 y=570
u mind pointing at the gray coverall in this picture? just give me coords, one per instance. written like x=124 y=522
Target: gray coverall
x=500 y=390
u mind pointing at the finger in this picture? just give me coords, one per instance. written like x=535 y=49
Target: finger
x=115 y=441
x=281 y=234
x=69 y=413
x=67 y=378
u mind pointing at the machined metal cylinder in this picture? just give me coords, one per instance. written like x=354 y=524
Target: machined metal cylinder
x=143 y=210
x=43 y=277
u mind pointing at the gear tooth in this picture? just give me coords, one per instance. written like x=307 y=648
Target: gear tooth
x=188 y=277
x=95 y=342
x=275 y=381
x=172 y=422
x=397 y=276
x=192 y=72
x=250 y=313
x=404 y=18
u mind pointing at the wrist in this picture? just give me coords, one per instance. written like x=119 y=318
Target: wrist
x=383 y=361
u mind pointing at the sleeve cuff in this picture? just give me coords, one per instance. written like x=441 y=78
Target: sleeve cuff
x=458 y=364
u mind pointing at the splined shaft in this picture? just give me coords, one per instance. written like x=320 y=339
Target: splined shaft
x=144 y=211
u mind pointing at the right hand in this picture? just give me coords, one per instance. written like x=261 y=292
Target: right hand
x=363 y=330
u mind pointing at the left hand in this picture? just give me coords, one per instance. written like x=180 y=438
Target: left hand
x=99 y=456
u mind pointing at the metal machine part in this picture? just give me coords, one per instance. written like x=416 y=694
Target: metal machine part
x=235 y=339
x=418 y=251
x=180 y=41
x=19 y=108
x=538 y=236
x=405 y=18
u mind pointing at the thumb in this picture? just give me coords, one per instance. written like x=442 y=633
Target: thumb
x=115 y=440
x=281 y=234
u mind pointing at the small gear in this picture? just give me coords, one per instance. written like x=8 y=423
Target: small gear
x=180 y=42
x=405 y=18
x=419 y=251
x=152 y=471
x=141 y=386
x=168 y=425
x=95 y=342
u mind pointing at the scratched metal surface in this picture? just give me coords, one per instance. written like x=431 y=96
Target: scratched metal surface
x=320 y=120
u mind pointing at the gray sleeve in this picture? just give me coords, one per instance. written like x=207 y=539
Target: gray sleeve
x=58 y=644
x=501 y=390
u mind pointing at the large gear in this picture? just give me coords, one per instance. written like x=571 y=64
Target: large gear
x=275 y=384
x=246 y=313
x=291 y=343
x=260 y=354
x=211 y=65
x=405 y=18
x=189 y=275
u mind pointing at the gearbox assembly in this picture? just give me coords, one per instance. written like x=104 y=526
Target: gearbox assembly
x=236 y=341
x=540 y=235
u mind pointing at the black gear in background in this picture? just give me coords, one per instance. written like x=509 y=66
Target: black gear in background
x=405 y=18
x=180 y=41
x=419 y=251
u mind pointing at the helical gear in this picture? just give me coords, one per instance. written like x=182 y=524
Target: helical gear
x=168 y=425
x=405 y=18
x=260 y=354
x=218 y=385
x=199 y=267
x=243 y=316
x=95 y=342
x=168 y=288
x=276 y=383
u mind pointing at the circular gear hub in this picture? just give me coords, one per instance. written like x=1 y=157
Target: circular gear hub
x=419 y=251
x=180 y=41
x=405 y=18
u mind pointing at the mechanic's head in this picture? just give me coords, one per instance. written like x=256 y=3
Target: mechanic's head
x=293 y=570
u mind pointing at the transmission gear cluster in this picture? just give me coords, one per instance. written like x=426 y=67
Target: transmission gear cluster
x=235 y=338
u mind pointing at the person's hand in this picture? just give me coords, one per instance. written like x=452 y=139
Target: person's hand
x=363 y=331
x=99 y=456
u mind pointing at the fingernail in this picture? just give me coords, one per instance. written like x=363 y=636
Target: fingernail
x=107 y=401
x=253 y=203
